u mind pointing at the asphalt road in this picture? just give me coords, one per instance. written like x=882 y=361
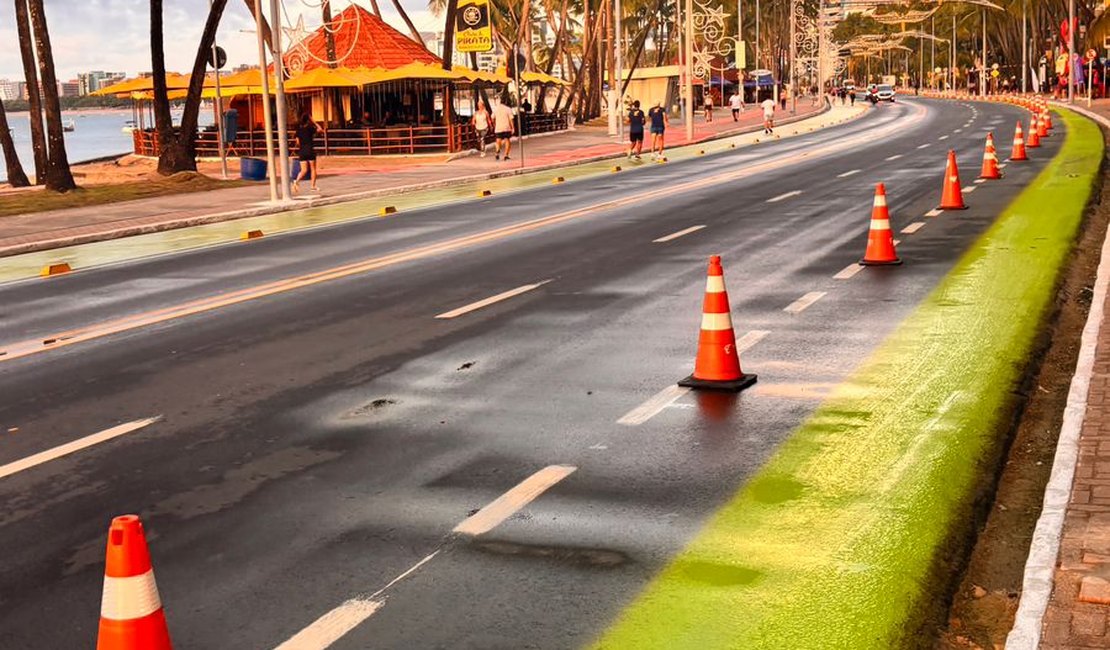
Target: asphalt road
x=320 y=438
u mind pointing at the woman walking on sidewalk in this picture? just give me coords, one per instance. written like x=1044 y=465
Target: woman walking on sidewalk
x=306 y=152
x=481 y=126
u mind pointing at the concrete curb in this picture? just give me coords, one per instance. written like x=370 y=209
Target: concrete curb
x=1040 y=567
x=200 y=220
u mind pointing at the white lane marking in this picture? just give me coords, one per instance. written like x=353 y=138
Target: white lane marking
x=676 y=235
x=847 y=174
x=512 y=501
x=1002 y=165
x=897 y=242
x=913 y=227
x=474 y=306
x=746 y=342
x=653 y=406
x=799 y=305
x=935 y=212
x=894 y=157
x=925 y=146
x=979 y=180
x=782 y=197
x=17 y=466
x=959 y=130
x=943 y=137
x=969 y=190
x=848 y=271
x=332 y=626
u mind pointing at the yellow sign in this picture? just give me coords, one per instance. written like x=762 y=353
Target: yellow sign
x=472 y=26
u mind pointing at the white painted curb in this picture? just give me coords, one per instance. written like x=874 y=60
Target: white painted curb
x=1040 y=568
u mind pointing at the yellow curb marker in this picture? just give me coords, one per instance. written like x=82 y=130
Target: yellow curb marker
x=250 y=234
x=57 y=268
x=387 y=210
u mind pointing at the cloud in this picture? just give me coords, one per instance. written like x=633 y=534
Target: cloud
x=114 y=35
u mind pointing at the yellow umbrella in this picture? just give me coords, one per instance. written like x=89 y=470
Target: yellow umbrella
x=541 y=78
x=248 y=77
x=319 y=78
x=420 y=70
x=174 y=81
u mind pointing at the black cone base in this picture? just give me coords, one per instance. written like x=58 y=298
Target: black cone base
x=732 y=386
x=894 y=262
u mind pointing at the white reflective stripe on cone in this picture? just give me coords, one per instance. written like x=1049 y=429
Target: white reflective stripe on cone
x=125 y=599
x=880 y=201
x=880 y=224
x=716 y=322
x=715 y=284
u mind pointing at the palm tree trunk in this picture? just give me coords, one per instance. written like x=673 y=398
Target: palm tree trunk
x=449 y=33
x=414 y=33
x=58 y=176
x=329 y=35
x=31 y=75
x=377 y=10
x=16 y=176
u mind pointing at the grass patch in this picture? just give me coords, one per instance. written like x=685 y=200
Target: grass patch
x=842 y=539
x=43 y=200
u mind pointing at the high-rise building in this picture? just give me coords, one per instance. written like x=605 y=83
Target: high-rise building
x=71 y=88
x=89 y=82
x=9 y=90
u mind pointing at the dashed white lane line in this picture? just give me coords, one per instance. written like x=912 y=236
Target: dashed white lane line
x=958 y=130
x=977 y=181
x=913 y=227
x=943 y=137
x=800 y=305
x=897 y=242
x=514 y=500
x=969 y=190
x=676 y=235
x=671 y=394
x=55 y=453
x=849 y=173
x=894 y=157
x=783 y=197
x=474 y=306
x=935 y=212
x=925 y=146
x=848 y=271
x=1002 y=165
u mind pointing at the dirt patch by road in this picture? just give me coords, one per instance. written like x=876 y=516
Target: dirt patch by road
x=986 y=600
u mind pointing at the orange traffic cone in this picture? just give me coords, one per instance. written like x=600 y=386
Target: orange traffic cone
x=1018 y=152
x=880 y=240
x=1042 y=126
x=1047 y=119
x=718 y=363
x=990 y=161
x=952 y=197
x=131 y=616
x=1034 y=140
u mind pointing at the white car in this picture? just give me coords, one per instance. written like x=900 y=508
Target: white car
x=885 y=93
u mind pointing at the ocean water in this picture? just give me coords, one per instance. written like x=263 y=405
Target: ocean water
x=98 y=133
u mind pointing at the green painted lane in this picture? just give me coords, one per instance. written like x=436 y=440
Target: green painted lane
x=841 y=539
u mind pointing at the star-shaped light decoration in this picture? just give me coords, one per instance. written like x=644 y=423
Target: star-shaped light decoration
x=296 y=34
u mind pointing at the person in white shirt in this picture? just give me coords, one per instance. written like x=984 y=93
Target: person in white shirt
x=503 y=130
x=768 y=115
x=481 y=126
x=736 y=103
x=708 y=107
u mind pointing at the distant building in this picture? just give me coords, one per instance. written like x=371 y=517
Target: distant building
x=71 y=88
x=10 y=90
x=90 y=82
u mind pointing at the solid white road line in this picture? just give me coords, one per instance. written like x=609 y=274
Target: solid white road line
x=74 y=446
x=474 y=306
x=913 y=227
x=653 y=406
x=676 y=235
x=847 y=174
x=511 y=502
x=782 y=197
x=969 y=190
x=748 y=340
x=935 y=212
x=799 y=305
x=925 y=146
x=894 y=157
x=331 y=627
x=848 y=271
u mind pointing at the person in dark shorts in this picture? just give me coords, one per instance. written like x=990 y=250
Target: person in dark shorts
x=659 y=122
x=635 y=121
x=306 y=152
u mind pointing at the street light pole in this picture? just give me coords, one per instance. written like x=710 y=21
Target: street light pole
x=983 y=63
x=219 y=109
x=1071 y=51
x=282 y=118
x=688 y=111
x=620 y=65
x=267 y=117
x=793 y=56
x=757 y=46
x=1024 y=49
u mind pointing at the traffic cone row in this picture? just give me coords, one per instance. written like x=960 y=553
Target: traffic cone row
x=1018 y=154
x=131 y=616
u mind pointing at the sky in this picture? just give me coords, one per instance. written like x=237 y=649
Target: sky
x=114 y=35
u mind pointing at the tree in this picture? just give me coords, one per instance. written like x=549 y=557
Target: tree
x=58 y=176
x=16 y=176
x=414 y=33
x=178 y=147
x=31 y=75
x=449 y=33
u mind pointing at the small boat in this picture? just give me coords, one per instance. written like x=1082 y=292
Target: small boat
x=128 y=126
x=69 y=126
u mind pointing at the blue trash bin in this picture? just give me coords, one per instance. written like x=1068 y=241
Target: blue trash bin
x=252 y=169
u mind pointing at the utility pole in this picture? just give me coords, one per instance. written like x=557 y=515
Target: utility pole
x=1024 y=49
x=933 y=46
x=612 y=66
x=1071 y=51
x=688 y=110
x=793 y=57
x=620 y=65
x=757 y=46
x=983 y=64
x=282 y=118
x=219 y=108
x=267 y=116
x=952 y=58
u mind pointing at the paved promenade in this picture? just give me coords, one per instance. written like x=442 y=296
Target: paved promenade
x=60 y=227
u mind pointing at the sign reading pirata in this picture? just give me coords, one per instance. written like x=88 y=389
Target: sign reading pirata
x=472 y=26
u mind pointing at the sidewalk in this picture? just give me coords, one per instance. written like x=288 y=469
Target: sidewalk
x=45 y=230
x=1077 y=615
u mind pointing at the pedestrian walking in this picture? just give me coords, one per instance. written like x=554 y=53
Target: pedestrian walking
x=709 y=107
x=841 y=93
x=503 y=130
x=635 y=122
x=768 y=115
x=736 y=103
x=659 y=124
x=306 y=152
x=782 y=97
x=852 y=96
x=480 y=121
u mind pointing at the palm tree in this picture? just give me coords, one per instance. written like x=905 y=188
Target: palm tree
x=58 y=176
x=31 y=75
x=16 y=176
x=178 y=148
x=414 y=33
